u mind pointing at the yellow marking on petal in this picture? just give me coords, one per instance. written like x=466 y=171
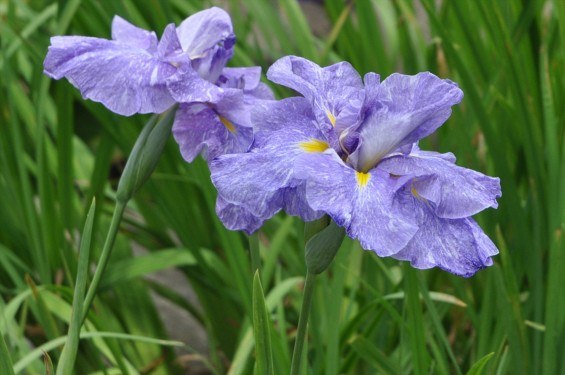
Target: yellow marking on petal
x=331 y=117
x=227 y=124
x=314 y=145
x=362 y=178
x=417 y=195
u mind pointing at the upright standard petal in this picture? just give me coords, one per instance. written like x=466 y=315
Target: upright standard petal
x=400 y=111
x=125 y=78
x=362 y=203
x=458 y=246
x=335 y=92
x=208 y=39
x=455 y=192
x=126 y=33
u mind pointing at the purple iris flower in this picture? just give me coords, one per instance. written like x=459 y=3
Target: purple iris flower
x=350 y=150
x=127 y=74
x=137 y=73
x=214 y=119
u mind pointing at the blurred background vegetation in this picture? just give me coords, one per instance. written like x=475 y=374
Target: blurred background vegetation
x=370 y=315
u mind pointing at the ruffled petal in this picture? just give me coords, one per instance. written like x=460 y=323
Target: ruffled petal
x=125 y=79
x=126 y=33
x=458 y=246
x=335 y=92
x=361 y=203
x=271 y=116
x=456 y=192
x=252 y=180
x=186 y=86
x=236 y=217
x=200 y=129
x=261 y=92
x=240 y=78
x=169 y=48
x=208 y=39
x=399 y=111
x=259 y=180
x=295 y=204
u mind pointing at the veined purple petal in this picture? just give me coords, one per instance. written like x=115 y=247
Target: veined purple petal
x=236 y=217
x=186 y=86
x=124 y=78
x=260 y=93
x=295 y=204
x=456 y=192
x=207 y=37
x=126 y=33
x=240 y=78
x=458 y=246
x=259 y=180
x=335 y=92
x=234 y=103
x=201 y=129
x=249 y=180
x=169 y=48
x=361 y=203
x=270 y=116
x=399 y=111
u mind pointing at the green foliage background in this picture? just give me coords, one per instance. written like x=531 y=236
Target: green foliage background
x=370 y=315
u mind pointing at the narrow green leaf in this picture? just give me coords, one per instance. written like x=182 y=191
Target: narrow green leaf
x=261 y=330
x=53 y=344
x=245 y=345
x=300 y=26
x=434 y=317
x=6 y=366
x=44 y=315
x=66 y=15
x=479 y=366
x=416 y=322
x=68 y=357
x=133 y=268
x=374 y=356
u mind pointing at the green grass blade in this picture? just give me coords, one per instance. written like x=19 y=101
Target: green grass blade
x=261 y=330
x=53 y=344
x=129 y=269
x=479 y=366
x=298 y=23
x=6 y=366
x=436 y=323
x=68 y=356
x=374 y=356
x=415 y=322
x=245 y=346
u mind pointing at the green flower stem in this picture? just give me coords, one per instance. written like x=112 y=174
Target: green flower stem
x=254 y=253
x=303 y=323
x=141 y=163
x=106 y=251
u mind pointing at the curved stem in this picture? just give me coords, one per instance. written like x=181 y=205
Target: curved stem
x=106 y=251
x=303 y=323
